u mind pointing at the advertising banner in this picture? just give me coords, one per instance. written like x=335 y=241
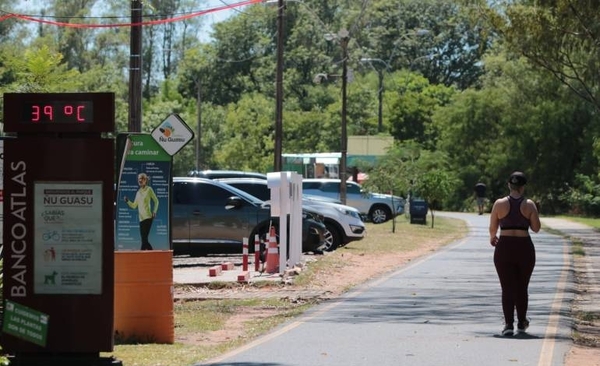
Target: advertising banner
x=142 y=197
x=68 y=238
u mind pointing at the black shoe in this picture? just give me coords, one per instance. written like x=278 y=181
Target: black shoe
x=522 y=326
x=508 y=330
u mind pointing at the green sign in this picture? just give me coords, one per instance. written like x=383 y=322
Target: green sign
x=144 y=148
x=25 y=323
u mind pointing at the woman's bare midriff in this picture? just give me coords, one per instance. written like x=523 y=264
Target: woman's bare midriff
x=514 y=232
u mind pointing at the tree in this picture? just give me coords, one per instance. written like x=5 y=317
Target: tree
x=560 y=36
x=412 y=101
x=72 y=42
x=249 y=131
x=520 y=119
x=435 y=185
x=436 y=38
x=41 y=70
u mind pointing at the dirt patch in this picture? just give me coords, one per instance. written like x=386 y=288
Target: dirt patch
x=234 y=328
x=363 y=267
x=586 y=347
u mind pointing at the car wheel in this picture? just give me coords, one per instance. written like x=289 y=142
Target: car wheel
x=332 y=237
x=380 y=214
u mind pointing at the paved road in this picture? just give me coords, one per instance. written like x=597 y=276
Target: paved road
x=441 y=310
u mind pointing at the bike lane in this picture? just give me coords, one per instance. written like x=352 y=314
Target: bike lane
x=442 y=309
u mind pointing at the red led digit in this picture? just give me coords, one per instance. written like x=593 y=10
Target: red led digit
x=35 y=113
x=49 y=112
x=80 y=110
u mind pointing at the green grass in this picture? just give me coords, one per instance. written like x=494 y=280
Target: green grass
x=592 y=222
x=577 y=248
x=384 y=239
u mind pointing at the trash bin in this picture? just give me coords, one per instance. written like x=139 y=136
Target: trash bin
x=418 y=211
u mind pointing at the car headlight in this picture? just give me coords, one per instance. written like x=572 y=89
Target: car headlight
x=313 y=215
x=350 y=213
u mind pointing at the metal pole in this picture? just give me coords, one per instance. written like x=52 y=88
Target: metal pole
x=277 y=165
x=199 y=133
x=135 y=68
x=380 y=115
x=344 y=37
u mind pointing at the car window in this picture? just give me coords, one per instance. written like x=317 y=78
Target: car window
x=311 y=185
x=240 y=193
x=353 y=188
x=185 y=194
x=257 y=190
x=213 y=195
x=331 y=187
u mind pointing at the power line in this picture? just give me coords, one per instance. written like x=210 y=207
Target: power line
x=184 y=16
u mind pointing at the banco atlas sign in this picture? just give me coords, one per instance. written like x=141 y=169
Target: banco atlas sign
x=172 y=134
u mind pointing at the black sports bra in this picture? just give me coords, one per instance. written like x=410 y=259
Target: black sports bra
x=515 y=219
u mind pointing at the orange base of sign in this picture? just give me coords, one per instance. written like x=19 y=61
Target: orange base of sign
x=144 y=297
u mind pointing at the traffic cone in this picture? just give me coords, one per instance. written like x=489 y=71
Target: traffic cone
x=272 y=253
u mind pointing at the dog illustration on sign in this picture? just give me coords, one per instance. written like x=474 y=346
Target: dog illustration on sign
x=50 y=279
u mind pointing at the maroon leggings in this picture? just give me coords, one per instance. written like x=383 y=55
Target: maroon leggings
x=514 y=259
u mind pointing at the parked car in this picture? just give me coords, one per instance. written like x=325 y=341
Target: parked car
x=377 y=207
x=216 y=174
x=211 y=217
x=343 y=223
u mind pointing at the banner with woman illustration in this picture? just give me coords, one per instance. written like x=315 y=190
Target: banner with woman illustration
x=142 y=194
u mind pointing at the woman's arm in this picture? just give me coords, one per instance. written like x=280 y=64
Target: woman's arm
x=494 y=224
x=534 y=216
x=155 y=200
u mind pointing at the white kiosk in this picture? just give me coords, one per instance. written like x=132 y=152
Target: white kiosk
x=286 y=199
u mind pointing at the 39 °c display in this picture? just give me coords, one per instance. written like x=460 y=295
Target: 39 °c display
x=57 y=112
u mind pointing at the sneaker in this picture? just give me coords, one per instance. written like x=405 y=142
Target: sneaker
x=508 y=330
x=522 y=326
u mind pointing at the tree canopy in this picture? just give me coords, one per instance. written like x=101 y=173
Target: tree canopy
x=470 y=89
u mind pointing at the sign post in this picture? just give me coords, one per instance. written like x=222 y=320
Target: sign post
x=144 y=256
x=58 y=228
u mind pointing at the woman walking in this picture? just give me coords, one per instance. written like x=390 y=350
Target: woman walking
x=147 y=204
x=514 y=254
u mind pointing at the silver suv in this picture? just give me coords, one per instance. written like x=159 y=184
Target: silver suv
x=343 y=224
x=377 y=207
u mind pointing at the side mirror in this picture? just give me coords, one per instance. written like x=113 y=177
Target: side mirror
x=234 y=202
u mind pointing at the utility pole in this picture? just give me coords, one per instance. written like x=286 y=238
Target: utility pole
x=135 y=68
x=380 y=110
x=344 y=39
x=277 y=165
x=199 y=132
x=380 y=72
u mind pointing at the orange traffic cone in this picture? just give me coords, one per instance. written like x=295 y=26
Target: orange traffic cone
x=272 y=253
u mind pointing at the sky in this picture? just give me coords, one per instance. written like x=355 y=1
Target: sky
x=33 y=6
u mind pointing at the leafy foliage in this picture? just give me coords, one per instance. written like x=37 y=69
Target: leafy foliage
x=471 y=89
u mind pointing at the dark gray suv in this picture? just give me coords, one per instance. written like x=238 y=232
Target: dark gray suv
x=212 y=217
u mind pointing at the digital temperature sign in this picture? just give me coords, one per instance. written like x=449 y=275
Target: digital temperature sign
x=59 y=112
